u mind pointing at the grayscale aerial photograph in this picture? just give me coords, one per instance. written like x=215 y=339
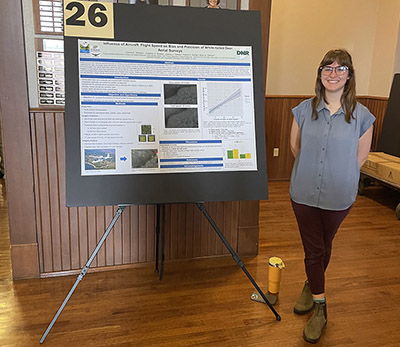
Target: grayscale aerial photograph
x=144 y=158
x=180 y=94
x=181 y=118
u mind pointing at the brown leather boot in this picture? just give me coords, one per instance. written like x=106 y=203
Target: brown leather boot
x=305 y=302
x=314 y=327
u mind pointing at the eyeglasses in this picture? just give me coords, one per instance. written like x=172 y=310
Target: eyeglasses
x=339 y=70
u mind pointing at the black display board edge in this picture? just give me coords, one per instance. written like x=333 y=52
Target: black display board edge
x=168 y=25
x=389 y=138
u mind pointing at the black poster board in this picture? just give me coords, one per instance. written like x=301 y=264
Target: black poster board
x=168 y=25
x=389 y=139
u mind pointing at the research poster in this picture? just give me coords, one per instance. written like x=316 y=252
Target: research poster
x=165 y=108
x=168 y=109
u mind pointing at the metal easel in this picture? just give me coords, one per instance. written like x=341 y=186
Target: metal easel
x=160 y=228
x=84 y=270
x=161 y=207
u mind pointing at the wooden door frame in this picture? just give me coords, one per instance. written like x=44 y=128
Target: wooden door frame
x=17 y=145
x=264 y=6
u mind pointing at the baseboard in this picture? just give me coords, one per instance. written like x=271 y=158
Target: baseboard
x=25 y=261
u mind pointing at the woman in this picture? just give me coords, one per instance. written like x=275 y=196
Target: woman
x=330 y=138
x=213 y=4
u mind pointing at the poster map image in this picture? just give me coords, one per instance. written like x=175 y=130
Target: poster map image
x=165 y=108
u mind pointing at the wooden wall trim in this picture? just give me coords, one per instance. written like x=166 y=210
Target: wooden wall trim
x=288 y=96
x=264 y=6
x=248 y=227
x=249 y=213
x=24 y=260
x=14 y=113
x=47 y=109
x=248 y=241
x=368 y=97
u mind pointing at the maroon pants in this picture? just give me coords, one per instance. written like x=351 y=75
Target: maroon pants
x=317 y=229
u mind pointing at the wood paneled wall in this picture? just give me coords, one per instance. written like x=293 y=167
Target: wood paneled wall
x=377 y=105
x=67 y=236
x=278 y=120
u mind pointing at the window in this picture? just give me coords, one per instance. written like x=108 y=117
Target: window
x=48 y=16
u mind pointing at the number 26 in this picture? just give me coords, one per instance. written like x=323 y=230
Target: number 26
x=97 y=19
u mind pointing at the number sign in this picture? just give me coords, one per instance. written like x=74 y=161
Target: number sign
x=88 y=19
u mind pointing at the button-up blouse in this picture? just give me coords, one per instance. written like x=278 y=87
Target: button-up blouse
x=326 y=170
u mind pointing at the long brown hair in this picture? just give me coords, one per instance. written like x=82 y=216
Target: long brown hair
x=348 y=98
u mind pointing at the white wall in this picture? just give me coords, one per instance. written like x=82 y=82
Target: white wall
x=386 y=41
x=303 y=31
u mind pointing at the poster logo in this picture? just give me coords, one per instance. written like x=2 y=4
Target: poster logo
x=84 y=47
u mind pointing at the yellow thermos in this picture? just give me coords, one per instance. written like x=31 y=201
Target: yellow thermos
x=275 y=267
x=274 y=274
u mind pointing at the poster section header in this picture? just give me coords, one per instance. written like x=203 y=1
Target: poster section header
x=165 y=108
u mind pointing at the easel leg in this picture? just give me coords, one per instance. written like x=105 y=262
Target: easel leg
x=84 y=269
x=162 y=241
x=157 y=236
x=236 y=258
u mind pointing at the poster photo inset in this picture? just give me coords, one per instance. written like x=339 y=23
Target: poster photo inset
x=144 y=158
x=99 y=159
x=180 y=94
x=181 y=117
x=146 y=129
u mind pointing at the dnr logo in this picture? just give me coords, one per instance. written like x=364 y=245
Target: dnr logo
x=242 y=52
